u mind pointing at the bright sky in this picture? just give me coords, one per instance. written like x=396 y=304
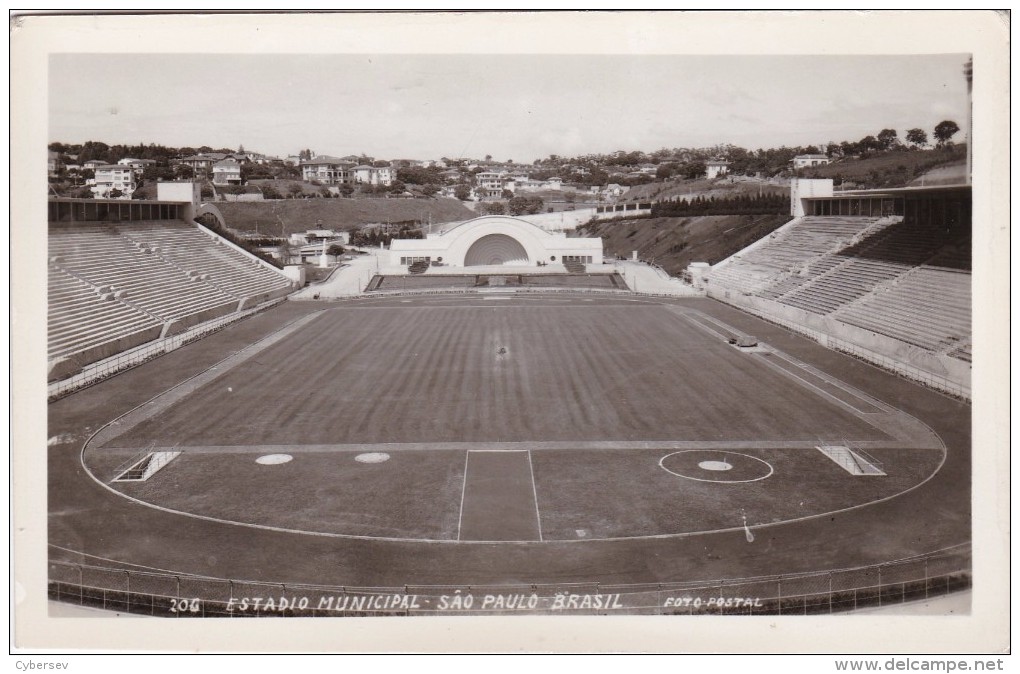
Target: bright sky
x=520 y=107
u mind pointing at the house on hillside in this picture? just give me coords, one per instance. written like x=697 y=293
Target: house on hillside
x=93 y=164
x=227 y=172
x=715 y=168
x=202 y=163
x=805 y=160
x=137 y=165
x=491 y=182
x=373 y=175
x=327 y=170
x=113 y=177
x=53 y=163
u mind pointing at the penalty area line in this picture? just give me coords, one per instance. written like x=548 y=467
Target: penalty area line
x=534 y=491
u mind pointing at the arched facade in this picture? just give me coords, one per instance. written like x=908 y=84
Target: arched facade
x=495 y=249
x=495 y=240
x=209 y=209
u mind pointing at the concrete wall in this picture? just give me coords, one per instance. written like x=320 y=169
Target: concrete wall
x=938 y=370
x=62 y=368
x=187 y=192
x=296 y=273
x=804 y=188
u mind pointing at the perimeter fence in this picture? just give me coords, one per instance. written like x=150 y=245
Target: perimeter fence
x=152 y=593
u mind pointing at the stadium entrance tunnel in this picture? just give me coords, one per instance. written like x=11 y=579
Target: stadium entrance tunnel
x=496 y=249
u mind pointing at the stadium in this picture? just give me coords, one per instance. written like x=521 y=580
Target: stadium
x=785 y=432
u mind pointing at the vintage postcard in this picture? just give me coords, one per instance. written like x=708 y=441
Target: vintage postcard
x=587 y=331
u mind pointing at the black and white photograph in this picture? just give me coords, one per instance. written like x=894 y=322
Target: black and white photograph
x=684 y=324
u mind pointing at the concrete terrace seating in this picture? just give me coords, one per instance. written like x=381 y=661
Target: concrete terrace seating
x=929 y=307
x=859 y=269
x=788 y=252
x=114 y=286
x=197 y=256
x=108 y=260
x=79 y=317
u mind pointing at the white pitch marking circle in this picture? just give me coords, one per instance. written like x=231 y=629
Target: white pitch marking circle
x=662 y=464
x=274 y=459
x=372 y=457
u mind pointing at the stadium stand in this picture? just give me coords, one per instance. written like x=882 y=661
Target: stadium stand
x=907 y=279
x=792 y=251
x=117 y=285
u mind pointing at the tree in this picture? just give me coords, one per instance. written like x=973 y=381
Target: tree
x=462 y=192
x=517 y=206
x=887 y=138
x=917 y=137
x=184 y=172
x=335 y=249
x=869 y=143
x=294 y=190
x=944 y=131
x=494 y=208
x=158 y=173
x=115 y=193
x=694 y=169
x=270 y=192
x=665 y=171
x=398 y=187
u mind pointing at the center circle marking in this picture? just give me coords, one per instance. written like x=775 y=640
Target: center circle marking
x=708 y=465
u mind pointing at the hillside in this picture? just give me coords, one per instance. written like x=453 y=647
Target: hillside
x=299 y=215
x=950 y=174
x=673 y=243
x=895 y=168
x=690 y=189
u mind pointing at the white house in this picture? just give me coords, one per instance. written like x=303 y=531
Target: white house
x=373 y=175
x=138 y=165
x=805 y=160
x=113 y=177
x=715 y=168
x=327 y=170
x=226 y=172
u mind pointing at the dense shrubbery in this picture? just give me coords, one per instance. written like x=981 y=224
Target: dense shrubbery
x=372 y=237
x=738 y=205
x=211 y=223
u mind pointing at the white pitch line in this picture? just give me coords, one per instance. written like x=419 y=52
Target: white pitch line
x=534 y=490
x=463 y=490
